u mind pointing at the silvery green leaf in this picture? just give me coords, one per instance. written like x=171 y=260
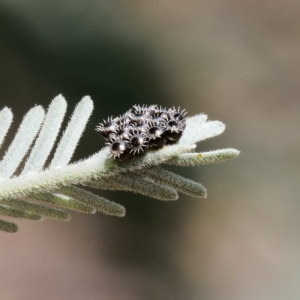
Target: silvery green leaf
x=8 y=227
x=179 y=183
x=75 y=128
x=6 y=117
x=196 y=130
x=62 y=201
x=102 y=205
x=45 y=141
x=16 y=213
x=96 y=166
x=18 y=148
x=54 y=184
x=204 y=158
x=133 y=183
x=38 y=209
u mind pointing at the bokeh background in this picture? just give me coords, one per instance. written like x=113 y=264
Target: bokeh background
x=238 y=62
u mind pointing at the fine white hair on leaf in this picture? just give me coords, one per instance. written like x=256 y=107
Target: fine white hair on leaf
x=18 y=148
x=63 y=201
x=53 y=185
x=136 y=184
x=199 y=119
x=102 y=205
x=204 y=158
x=8 y=226
x=6 y=117
x=181 y=184
x=45 y=141
x=71 y=136
x=197 y=131
x=35 y=208
x=16 y=213
x=152 y=158
x=97 y=165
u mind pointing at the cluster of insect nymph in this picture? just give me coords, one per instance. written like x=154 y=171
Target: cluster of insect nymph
x=141 y=129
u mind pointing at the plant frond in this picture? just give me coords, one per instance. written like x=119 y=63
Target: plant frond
x=18 y=148
x=75 y=128
x=133 y=183
x=204 y=158
x=37 y=209
x=62 y=201
x=181 y=184
x=6 y=117
x=54 y=184
x=47 y=136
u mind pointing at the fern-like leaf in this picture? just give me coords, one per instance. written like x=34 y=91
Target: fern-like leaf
x=54 y=184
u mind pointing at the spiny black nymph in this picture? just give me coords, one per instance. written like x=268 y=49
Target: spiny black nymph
x=141 y=129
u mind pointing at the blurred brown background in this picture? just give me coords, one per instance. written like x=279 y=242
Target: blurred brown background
x=237 y=61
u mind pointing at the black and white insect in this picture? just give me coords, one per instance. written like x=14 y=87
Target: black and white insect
x=141 y=129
